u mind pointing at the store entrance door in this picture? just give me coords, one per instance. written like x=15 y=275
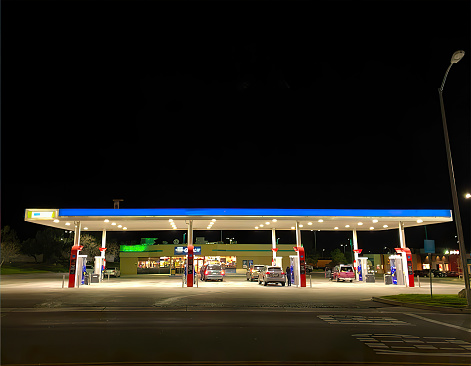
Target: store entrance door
x=199 y=261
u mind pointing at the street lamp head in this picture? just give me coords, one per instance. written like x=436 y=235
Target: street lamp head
x=457 y=56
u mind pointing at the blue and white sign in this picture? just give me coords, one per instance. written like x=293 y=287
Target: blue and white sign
x=429 y=246
x=184 y=250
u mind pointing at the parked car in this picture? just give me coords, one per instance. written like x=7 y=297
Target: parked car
x=452 y=274
x=343 y=272
x=271 y=274
x=309 y=268
x=253 y=272
x=437 y=273
x=112 y=271
x=421 y=272
x=212 y=272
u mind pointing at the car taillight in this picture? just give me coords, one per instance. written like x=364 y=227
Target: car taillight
x=222 y=272
x=283 y=273
x=205 y=272
x=268 y=273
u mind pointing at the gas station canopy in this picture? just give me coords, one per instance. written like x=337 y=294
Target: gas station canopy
x=150 y=219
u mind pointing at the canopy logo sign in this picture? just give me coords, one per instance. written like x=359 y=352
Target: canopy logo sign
x=41 y=214
x=184 y=250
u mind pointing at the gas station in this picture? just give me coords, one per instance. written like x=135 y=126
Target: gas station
x=191 y=219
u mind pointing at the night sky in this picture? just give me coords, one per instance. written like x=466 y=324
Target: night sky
x=235 y=104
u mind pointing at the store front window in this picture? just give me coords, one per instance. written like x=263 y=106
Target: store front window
x=229 y=263
x=178 y=263
x=164 y=265
x=153 y=265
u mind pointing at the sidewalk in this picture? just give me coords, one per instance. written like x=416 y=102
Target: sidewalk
x=442 y=309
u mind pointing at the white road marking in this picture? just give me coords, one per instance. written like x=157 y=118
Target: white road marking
x=383 y=344
x=439 y=322
x=358 y=319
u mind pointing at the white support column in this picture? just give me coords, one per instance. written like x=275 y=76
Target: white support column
x=298 y=235
x=78 y=226
x=273 y=244
x=355 y=255
x=402 y=236
x=402 y=240
x=103 y=241
x=77 y=229
x=100 y=260
x=190 y=232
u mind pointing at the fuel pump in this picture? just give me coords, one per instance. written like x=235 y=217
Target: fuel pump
x=189 y=267
x=397 y=274
x=294 y=267
x=406 y=265
x=355 y=262
x=301 y=266
x=279 y=262
x=362 y=269
x=81 y=268
x=73 y=265
x=100 y=264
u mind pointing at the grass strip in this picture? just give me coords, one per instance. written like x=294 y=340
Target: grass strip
x=424 y=299
x=18 y=268
x=13 y=270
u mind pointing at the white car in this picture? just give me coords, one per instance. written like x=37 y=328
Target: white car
x=112 y=271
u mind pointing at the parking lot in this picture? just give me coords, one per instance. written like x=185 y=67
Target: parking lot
x=45 y=291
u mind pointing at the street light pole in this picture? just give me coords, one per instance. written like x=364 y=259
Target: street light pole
x=457 y=56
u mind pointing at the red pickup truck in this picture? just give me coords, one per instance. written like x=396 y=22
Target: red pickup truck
x=343 y=272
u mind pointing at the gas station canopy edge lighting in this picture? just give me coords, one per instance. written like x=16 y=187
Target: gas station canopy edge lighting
x=153 y=219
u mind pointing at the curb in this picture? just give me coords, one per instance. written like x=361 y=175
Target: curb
x=441 y=309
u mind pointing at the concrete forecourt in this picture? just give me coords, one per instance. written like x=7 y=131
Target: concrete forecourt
x=148 y=318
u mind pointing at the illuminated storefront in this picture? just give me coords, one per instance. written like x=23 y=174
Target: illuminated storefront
x=153 y=265
x=141 y=259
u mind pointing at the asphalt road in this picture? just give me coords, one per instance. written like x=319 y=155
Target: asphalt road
x=236 y=322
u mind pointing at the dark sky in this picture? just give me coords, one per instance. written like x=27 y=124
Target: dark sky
x=232 y=104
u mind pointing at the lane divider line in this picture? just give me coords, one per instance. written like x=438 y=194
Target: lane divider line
x=439 y=322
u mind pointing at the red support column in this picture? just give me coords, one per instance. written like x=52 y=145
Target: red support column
x=189 y=266
x=73 y=264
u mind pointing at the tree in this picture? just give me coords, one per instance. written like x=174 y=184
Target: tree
x=10 y=245
x=112 y=251
x=90 y=246
x=51 y=244
x=337 y=257
x=30 y=247
x=312 y=259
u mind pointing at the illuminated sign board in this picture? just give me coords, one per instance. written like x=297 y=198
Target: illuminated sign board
x=41 y=214
x=184 y=250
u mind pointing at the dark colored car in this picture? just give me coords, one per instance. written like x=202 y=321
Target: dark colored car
x=452 y=274
x=421 y=272
x=253 y=272
x=437 y=273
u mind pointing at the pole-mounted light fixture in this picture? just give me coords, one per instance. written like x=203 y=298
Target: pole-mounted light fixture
x=457 y=56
